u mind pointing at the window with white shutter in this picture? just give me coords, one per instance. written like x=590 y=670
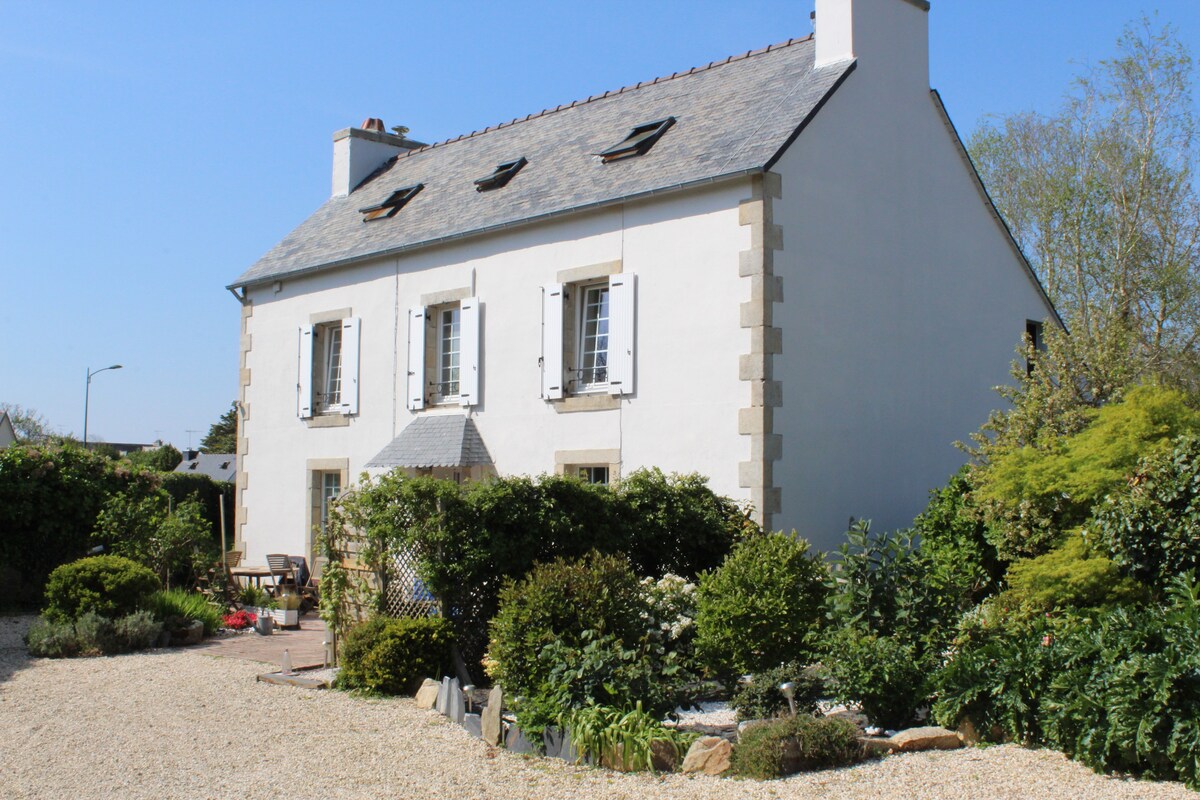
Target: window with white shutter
x=327 y=368
x=469 y=331
x=588 y=337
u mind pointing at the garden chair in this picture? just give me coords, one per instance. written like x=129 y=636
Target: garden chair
x=306 y=584
x=283 y=573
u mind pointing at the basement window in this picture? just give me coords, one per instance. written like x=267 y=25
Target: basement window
x=503 y=174
x=639 y=140
x=392 y=205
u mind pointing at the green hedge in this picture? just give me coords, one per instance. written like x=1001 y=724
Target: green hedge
x=109 y=586
x=392 y=656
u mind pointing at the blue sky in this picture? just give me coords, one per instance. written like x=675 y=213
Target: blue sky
x=152 y=151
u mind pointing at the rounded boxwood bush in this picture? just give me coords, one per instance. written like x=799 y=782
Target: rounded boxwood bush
x=762 y=607
x=392 y=656
x=109 y=586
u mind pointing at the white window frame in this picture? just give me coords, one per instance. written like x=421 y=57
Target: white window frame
x=318 y=344
x=448 y=383
x=588 y=473
x=424 y=380
x=580 y=371
x=559 y=378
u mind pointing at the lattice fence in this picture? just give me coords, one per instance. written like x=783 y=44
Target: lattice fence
x=404 y=593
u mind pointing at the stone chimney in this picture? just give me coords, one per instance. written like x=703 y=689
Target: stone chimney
x=889 y=37
x=357 y=152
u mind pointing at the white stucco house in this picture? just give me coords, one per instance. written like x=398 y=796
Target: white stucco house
x=8 y=434
x=779 y=270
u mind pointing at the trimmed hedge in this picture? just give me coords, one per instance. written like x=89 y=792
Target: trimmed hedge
x=392 y=656
x=109 y=586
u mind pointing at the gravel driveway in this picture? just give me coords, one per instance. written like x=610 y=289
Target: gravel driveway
x=178 y=724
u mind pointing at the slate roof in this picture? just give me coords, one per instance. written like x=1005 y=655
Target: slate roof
x=435 y=440
x=218 y=466
x=732 y=117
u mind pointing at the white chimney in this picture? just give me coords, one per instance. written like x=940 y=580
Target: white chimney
x=357 y=152
x=885 y=36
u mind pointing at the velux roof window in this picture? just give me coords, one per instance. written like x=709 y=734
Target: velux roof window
x=392 y=205
x=639 y=140
x=503 y=174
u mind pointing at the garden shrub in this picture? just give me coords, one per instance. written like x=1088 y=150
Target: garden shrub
x=957 y=563
x=885 y=675
x=877 y=581
x=762 y=607
x=795 y=744
x=760 y=697
x=392 y=656
x=1031 y=494
x=50 y=495
x=144 y=525
x=47 y=639
x=470 y=539
x=1152 y=524
x=110 y=586
x=556 y=604
x=1070 y=576
x=1115 y=689
x=174 y=607
x=92 y=635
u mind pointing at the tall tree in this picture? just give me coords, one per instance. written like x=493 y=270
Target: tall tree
x=29 y=425
x=1100 y=197
x=222 y=435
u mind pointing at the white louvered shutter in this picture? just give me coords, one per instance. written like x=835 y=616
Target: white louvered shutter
x=552 y=341
x=622 y=290
x=351 y=327
x=304 y=373
x=468 y=357
x=416 y=359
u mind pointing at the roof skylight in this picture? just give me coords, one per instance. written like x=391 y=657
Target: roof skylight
x=502 y=175
x=639 y=140
x=394 y=202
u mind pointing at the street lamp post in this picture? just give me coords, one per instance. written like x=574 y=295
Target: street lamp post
x=86 y=396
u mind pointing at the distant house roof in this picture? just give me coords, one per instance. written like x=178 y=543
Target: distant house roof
x=218 y=466
x=8 y=434
x=439 y=440
x=732 y=117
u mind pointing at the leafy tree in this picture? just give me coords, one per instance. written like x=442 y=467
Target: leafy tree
x=1100 y=197
x=222 y=435
x=143 y=526
x=30 y=426
x=1030 y=495
x=160 y=459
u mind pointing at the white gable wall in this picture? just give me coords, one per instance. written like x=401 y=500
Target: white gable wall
x=682 y=417
x=905 y=301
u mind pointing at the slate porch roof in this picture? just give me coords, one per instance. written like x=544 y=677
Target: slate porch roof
x=734 y=117
x=436 y=440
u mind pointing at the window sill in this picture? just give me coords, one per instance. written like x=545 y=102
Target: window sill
x=586 y=402
x=328 y=421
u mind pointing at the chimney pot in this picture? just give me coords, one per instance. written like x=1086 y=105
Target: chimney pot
x=373 y=124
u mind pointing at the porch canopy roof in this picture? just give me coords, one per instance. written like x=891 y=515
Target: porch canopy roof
x=435 y=440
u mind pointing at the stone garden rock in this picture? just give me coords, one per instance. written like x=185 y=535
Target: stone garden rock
x=663 y=756
x=493 y=728
x=427 y=695
x=928 y=738
x=193 y=633
x=875 y=745
x=708 y=754
x=967 y=732
x=515 y=741
x=472 y=725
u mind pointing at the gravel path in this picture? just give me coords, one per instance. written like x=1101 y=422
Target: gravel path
x=177 y=724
